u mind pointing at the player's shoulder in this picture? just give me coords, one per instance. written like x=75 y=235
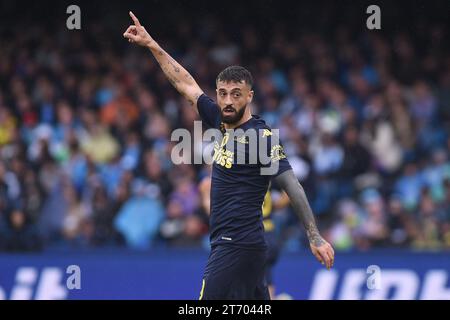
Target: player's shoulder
x=205 y=99
x=259 y=123
x=264 y=130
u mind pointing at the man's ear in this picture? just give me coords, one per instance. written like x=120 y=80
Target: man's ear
x=250 y=96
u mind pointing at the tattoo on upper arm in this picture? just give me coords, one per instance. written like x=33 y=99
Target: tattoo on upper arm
x=194 y=101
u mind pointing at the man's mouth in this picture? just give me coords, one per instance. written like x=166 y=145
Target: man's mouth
x=228 y=110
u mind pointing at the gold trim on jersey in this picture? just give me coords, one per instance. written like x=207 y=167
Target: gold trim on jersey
x=267 y=211
x=203 y=289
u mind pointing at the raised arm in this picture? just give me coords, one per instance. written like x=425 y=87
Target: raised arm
x=177 y=75
x=321 y=249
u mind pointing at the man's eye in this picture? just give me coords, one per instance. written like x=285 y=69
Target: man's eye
x=237 y=95
x=222 y=94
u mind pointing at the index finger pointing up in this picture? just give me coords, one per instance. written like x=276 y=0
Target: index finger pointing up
x=135 y=20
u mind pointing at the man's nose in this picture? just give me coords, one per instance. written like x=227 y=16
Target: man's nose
x=228 y=100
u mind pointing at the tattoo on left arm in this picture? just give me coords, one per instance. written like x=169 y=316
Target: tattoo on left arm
x=299 y=202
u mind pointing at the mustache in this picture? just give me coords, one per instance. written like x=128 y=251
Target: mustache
x=235 y=115
x=229 y=108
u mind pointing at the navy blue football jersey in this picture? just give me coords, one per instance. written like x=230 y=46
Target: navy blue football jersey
x=238 y=187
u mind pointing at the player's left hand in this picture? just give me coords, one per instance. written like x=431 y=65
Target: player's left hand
x=324 y=253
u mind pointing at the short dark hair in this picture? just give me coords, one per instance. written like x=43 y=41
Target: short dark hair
x=235 y=74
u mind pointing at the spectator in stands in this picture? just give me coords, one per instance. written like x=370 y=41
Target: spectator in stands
x=19 y=234
x=139 y=218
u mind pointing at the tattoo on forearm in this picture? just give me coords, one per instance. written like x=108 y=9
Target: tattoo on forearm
x=306 y=216
x=171 y=69
x=176 y=74
x=313 y=235
x=175 y=68
x=173 y=83
x=301 y=206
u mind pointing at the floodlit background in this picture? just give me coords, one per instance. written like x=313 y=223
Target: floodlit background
x=86 y=177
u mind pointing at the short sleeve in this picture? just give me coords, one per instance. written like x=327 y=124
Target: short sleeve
x=209 y=111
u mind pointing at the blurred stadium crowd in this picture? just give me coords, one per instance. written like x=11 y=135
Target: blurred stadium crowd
x=86 y=119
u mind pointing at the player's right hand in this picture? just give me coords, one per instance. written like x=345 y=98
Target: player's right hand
x=136 y=33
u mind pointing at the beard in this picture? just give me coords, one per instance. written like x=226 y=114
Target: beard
x=234 y=117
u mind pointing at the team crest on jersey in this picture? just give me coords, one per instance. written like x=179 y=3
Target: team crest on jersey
x=222 y=156
x=277 y=153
